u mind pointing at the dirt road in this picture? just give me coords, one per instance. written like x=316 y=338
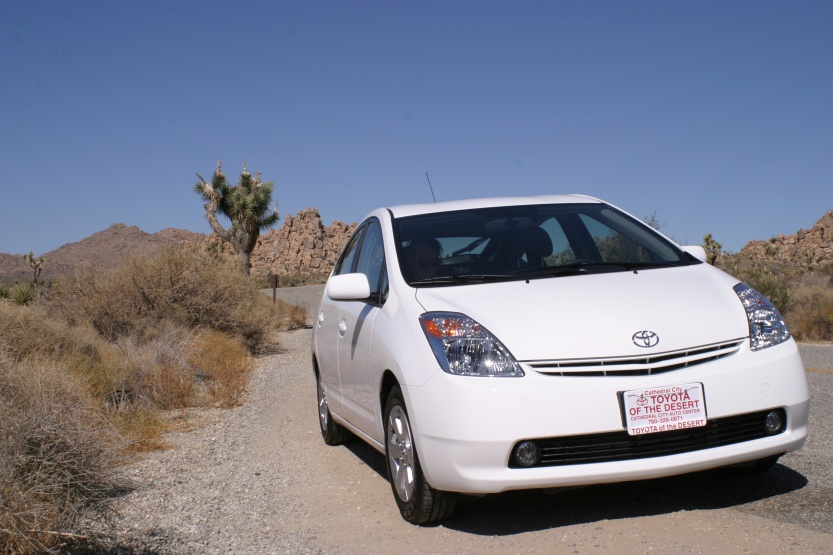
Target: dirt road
x=259 y=479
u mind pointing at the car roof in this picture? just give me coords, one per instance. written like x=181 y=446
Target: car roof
x=405 y=210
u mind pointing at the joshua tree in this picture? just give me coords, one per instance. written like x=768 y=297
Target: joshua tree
x=246 y=205
x=713 y=249
x=37 y=266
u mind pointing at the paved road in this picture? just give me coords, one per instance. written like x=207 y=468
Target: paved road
x=817 y=357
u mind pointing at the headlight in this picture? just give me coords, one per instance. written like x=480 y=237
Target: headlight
x=766 y=326
x=465 y=348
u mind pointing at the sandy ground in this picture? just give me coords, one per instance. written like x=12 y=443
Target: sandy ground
x=259 y=479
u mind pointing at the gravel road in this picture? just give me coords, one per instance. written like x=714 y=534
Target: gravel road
x=259 y=479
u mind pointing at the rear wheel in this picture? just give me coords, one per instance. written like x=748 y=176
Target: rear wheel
x=332 y=432
x=418 y=502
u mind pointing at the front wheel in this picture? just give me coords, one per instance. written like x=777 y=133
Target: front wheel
x=418 y=502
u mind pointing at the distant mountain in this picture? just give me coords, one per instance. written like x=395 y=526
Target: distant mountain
x=102 y=250
x=303 y=245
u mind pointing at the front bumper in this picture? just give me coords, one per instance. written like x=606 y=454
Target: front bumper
x=466 y=427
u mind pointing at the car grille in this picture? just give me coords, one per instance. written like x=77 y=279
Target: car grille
x=638 y=366
x=619 y=446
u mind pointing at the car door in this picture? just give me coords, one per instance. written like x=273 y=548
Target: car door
x=327 y=333
x=356 y=333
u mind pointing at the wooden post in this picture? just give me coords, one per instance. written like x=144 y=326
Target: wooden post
x=273 y=283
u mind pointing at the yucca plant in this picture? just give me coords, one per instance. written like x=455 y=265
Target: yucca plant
x=22 y=293
x=246 y=205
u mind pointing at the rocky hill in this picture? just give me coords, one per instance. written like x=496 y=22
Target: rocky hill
x=807 y=250
x=303 y=245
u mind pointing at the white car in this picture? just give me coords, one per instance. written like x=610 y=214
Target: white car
x=543 y=342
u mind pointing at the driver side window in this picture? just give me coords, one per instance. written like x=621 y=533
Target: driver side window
x=348 y=256
x=365 y=254
x=372 y=259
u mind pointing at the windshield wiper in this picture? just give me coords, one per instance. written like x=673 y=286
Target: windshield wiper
x=588 y=264
x=582 y=268
x=463 y=278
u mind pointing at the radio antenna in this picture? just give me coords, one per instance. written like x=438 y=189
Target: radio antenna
x=430 y=187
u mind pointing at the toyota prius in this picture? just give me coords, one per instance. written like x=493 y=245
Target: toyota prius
x=543 y=342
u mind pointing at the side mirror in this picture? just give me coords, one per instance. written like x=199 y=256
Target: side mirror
x=697 y=252
x=348 y=287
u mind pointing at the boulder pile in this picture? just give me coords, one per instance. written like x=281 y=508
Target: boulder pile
x=303 y=245
x=807 y=250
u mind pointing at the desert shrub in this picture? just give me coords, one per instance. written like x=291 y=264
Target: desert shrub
x=260 y=276
x=772 y=280
x=810 y=316
x=157 y=371
x=178 y=286
x=27 y=332
x=291 y=316
x=297 y=280
x=775 y=287
x=804 y=298
x=224 y=364
x=30 y=333
x=181 y=367
x=5 y=291
x=56 y=452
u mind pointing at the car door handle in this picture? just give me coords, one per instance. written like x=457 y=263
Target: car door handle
x=342 y=328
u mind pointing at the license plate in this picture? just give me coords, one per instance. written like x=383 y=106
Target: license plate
x=662 y=409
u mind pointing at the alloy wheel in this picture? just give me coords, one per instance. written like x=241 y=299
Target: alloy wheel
x=401 y=454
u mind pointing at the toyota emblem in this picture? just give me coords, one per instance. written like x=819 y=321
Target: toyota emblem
x=645 y=339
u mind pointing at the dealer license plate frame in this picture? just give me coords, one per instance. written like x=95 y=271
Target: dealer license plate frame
x=663 y=409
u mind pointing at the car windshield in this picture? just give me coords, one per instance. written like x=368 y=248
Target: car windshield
x=527 y=242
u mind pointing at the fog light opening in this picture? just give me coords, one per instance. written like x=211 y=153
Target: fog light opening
x=527 y=453
x=774 y=422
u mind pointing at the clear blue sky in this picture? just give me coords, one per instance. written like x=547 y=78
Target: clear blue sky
x=718 y=116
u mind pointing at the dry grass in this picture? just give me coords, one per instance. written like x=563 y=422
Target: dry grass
x=810 y=313
x=56 y=456
x=225 y=365
x=290 y=316
x=93 y=372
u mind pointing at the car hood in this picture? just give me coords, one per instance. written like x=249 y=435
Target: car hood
x=597 y=315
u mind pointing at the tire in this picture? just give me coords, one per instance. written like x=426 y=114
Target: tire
x=332 y=432
x=418 y=502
